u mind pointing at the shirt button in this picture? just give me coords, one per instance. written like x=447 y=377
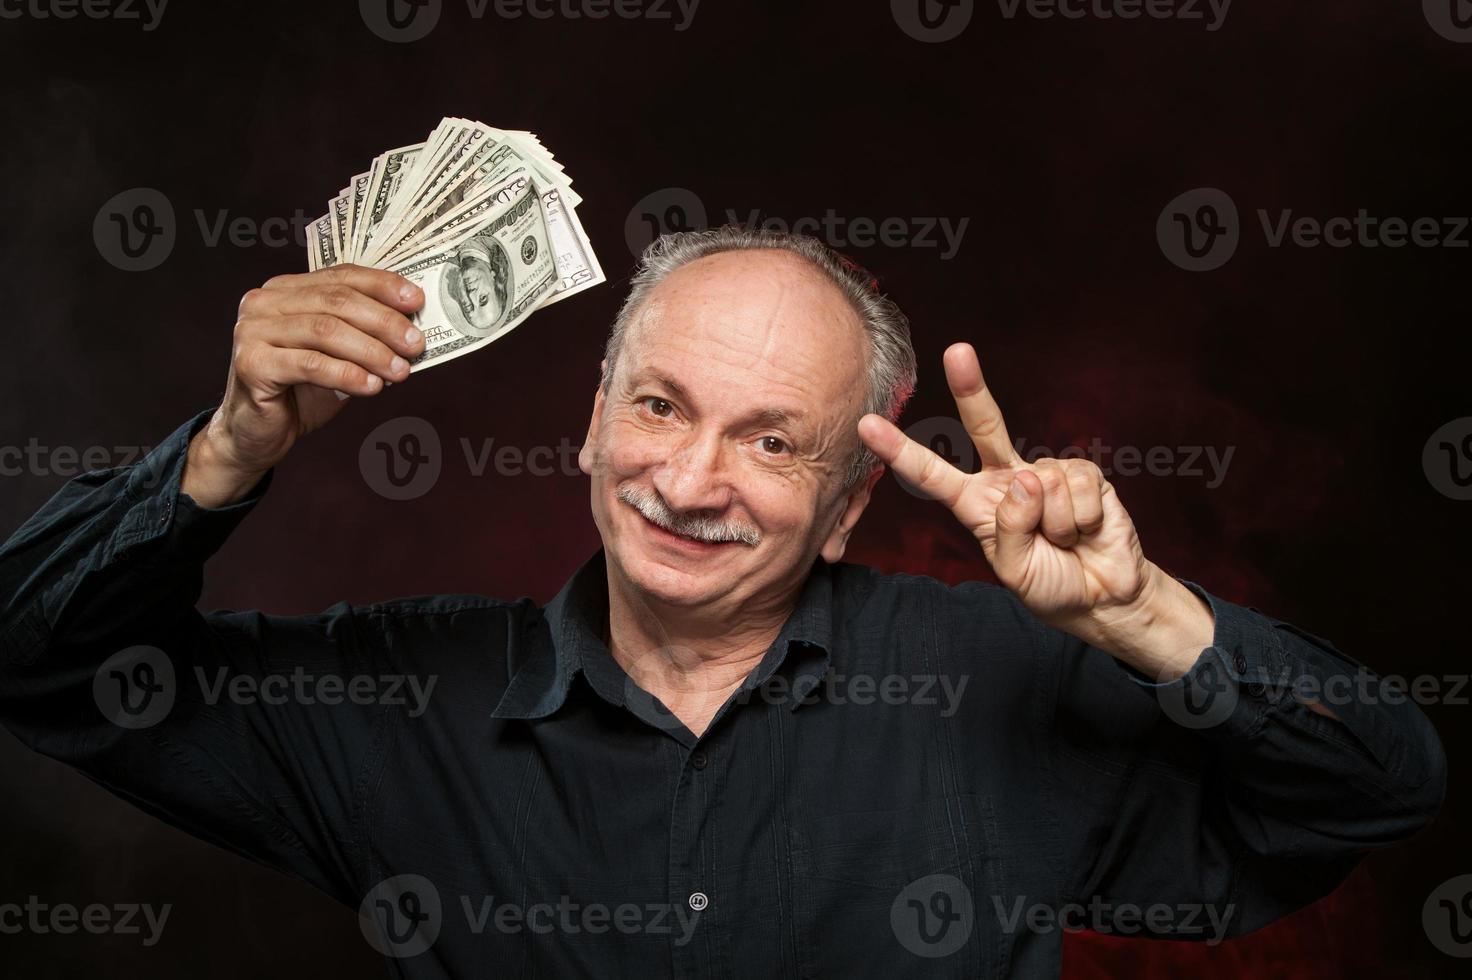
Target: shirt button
x=698 y=901
x=699 y=759
x=1240 y=662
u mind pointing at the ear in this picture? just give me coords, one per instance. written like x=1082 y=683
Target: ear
x=589 y=450
x=853 y=507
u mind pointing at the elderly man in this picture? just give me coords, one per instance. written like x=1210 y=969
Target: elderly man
x=720 y=750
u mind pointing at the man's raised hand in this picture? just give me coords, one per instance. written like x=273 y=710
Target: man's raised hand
x=300 y=340
x=1054 y=530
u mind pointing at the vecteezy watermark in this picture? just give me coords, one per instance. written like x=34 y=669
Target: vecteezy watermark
x=148 y=13
x=919 y=690
x=402 y=458
x=136 y=688
x=403 y=916
x=934 y=21
x=1191 y=462
x=1199 y=230
x=1447 y=459
x=1185 y=919
x=945 y=436
x=404 y=21
x=1210 y=692
x=933 y=916
x=135 y=230
x=63 y=918
x=671 y=209
x=1212 y=13
x=1452 y=19
x=35 y=459
x=1447 y=916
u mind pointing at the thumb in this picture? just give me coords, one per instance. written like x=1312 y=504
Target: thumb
x=1018 y=516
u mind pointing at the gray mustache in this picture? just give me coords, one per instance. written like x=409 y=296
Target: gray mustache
x=653 y=507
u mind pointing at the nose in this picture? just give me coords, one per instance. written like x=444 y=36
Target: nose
x=694 y=477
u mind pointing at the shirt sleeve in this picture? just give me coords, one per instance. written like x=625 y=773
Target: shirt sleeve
x=232 y=726
x=1220 y=789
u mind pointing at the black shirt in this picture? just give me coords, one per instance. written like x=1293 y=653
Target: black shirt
x=918 y=779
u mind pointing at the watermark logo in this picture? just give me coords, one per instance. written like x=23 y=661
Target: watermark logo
x=1204 y=699
x=1213 y=13
x=1199 y=230
x=661 y=212
x=406 y=21
x=401 y=916
x=134 y=230
x=672 y=209
x=149 y=13
x=933 y=916
x=401 y=459
x=135 y=688
x=400 y=21
x=36 y=459
x=1447 y=916
x=932 y=21
x=404 y=915
x=945 y=436
x=643 y=672
x=1188 y=919
x=63 y=918
x=1452 y=19
x=1447 y=459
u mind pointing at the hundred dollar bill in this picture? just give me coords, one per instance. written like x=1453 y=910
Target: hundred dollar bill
x=388 y=171
x=341 y=204
x=359 y=185
x=321 y=244
x=484 y=220
x=484 y=284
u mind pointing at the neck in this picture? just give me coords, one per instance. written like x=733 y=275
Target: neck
x=691 y=658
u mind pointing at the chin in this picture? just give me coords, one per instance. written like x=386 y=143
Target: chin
x=674 y=586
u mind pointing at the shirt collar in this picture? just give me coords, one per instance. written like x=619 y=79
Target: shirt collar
x=573 y=624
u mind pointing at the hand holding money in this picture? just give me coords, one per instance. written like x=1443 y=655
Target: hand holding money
x=438 y=249
x=300 y=340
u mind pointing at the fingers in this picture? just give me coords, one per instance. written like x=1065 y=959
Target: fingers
x=1065 y=500
x=1085 y=486
x=343 y=303
x=1018 y=517
x=915 y=464
x=978 y=409
x=1059 y=520
x=274 y=368
x=327 y=335
x=386 y=287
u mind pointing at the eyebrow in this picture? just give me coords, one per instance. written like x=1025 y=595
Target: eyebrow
x=776 y=417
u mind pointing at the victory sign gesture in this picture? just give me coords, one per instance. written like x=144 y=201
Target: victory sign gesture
x=1054 y=532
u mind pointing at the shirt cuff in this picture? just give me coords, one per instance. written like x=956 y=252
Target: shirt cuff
x=1229 y=686
x=163 y=510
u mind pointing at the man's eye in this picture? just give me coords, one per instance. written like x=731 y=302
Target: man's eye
x=659 y=406
x=773 y=445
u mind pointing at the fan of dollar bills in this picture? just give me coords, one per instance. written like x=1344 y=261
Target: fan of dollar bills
x=484 y=221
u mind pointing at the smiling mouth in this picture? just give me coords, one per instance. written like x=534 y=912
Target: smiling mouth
x=680 y=538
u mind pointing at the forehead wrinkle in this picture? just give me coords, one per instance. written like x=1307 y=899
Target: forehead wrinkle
x=755 y=349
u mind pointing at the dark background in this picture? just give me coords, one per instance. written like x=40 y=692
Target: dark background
x=1061 y=141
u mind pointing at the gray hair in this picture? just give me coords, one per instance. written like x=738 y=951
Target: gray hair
x=891 y=367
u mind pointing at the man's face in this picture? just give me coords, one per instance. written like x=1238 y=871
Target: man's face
x=480 y=306
x=734 y=400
